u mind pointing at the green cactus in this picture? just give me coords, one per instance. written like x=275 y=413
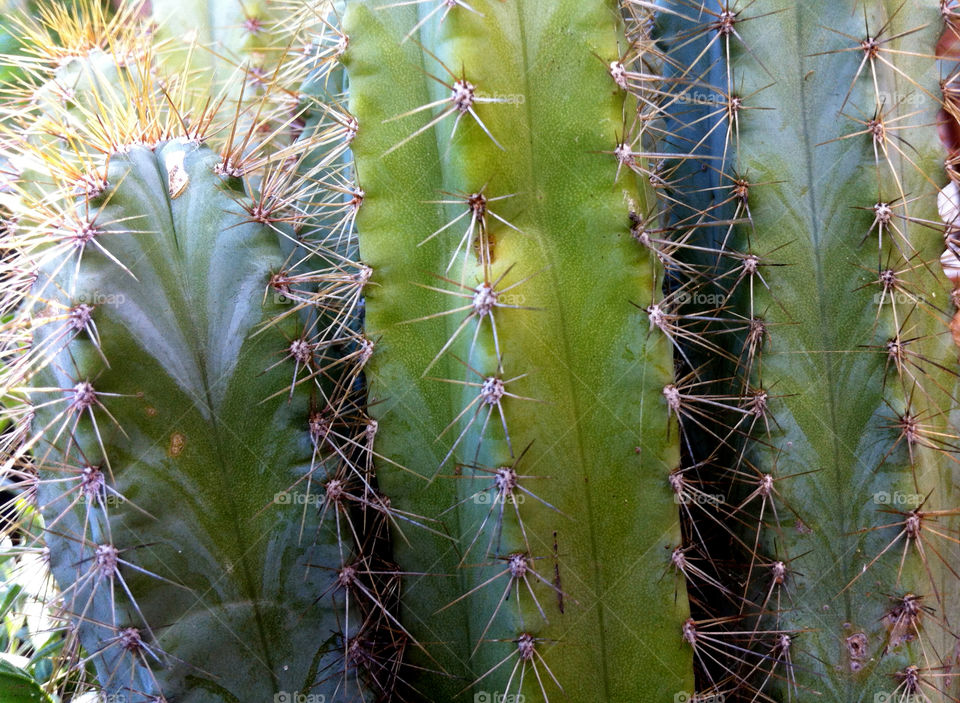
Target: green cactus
x=516 y=369
x=171 y=391
x=797 y=331
x=863 y=484
x=176 y=417
x=220 y=39
x=620 y=369
x=841 y=444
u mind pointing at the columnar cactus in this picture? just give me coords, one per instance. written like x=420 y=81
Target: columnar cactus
x=842 y=447
x=521 y=354
x=593 y=349
x=180 y=377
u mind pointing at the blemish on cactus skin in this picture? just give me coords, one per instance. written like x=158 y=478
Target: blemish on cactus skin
x=857 y=650
x=177 y=178
x=177 y=442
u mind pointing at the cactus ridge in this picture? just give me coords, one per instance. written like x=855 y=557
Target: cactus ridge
x=487 y=283
x=827 y=583
x=182 y=366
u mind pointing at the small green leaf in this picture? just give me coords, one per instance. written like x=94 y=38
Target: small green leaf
x=17 y=686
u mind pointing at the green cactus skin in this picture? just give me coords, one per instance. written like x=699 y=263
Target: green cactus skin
x=222 y=36
x=589 y=430
x=854 y=436
x=198 y=499
x=244 y=51
x=194 y=452
x=538 y=547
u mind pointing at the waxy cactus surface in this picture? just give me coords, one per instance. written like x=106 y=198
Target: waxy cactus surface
x=516 y=369
x=429 y=350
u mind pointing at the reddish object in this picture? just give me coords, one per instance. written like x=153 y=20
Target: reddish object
x=948 y=129
x=948 y=47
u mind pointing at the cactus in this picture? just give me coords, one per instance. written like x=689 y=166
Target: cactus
x=154 y=406
x=877 y=565
x=798 y=619
x=841 y=444
x=592 y=349
x=169 y=371
x=518 y=368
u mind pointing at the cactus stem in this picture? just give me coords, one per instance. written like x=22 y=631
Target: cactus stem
x=490 y=394
x=446 y=5
x=463 y=97
x=483 y=300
